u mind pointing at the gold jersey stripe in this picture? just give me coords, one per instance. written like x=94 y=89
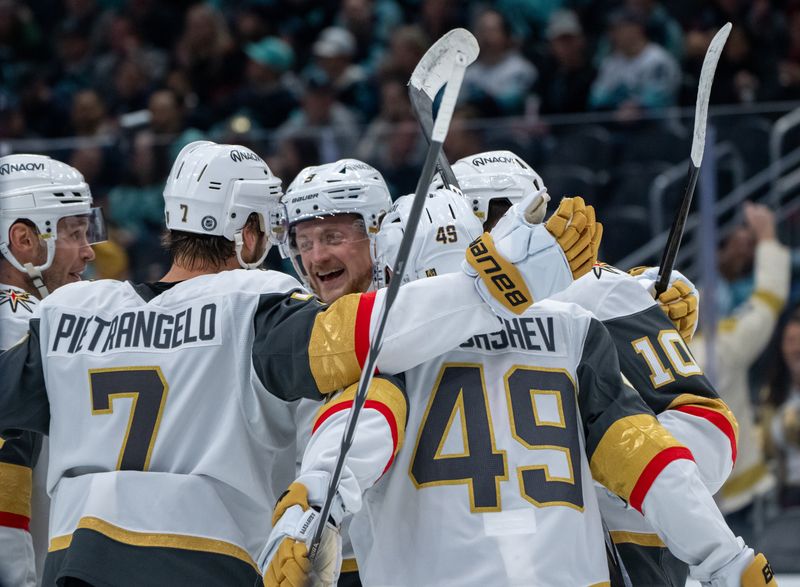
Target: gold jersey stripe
x=603 y=584
x=774 y=302
x=15 y=489
x=349 y=565
x=381 y=391
x=152 y=539
x=331 y=349
x=638 y=538
x=744 y=481
x=625 y=450
x=710 y=403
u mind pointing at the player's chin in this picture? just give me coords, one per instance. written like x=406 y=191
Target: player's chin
x=73 y=277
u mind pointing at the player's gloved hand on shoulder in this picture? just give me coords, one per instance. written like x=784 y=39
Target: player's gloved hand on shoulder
x=679 y=301
x=518 y=262
x=284 y=560
x=745 y=570
x=577 y=231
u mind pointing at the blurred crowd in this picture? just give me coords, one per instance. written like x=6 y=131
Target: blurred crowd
x=118 y=87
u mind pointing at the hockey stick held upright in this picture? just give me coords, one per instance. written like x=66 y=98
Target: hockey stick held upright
x=698 y=146
x=442 y=65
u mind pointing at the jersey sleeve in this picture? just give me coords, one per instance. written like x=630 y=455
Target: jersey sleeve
x=626 y=446
x=380 y=434
x=23 y=398
x=304 y=348
x=658 y=364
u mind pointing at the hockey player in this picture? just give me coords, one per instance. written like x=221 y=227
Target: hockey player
x=333 y=212
x=47 y=225
x=653 y=357
x=167 y=403
x=544 y=395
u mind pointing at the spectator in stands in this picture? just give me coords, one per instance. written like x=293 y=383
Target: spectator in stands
x=208 y=56
x=784 y=394
x=566 y=74
x=88 y=115
x=661 y=27
x=741 y=337
x=500 y=80
x=331 y=124
x=333 y=52
x=20 y=38
x=167 y=132
x=436 y=17
x=464 y=137
x=789 y=66
x=75 y=65
x=371 y=23
x=267 y=97
x=136 y=205
x=392 y=141
x=638 y=75
x=406 y=47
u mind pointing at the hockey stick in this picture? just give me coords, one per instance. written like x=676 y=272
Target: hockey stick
x=698 y=145
x=422 y=90
x=444 y=63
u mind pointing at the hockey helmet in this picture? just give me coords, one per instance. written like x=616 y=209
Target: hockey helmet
x=494 y=175
x=42 y=190
x=347 y=186
x=446 y=227
x=212 y=189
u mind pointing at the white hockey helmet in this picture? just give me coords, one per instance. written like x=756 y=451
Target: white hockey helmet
x=347 y=186
x=212 y=190
x=42 y=190
x=494 y=175
x=446 y=227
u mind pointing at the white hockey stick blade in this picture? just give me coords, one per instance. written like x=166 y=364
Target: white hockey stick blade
x=536 y=210
x=436 y=66
x=704 y=92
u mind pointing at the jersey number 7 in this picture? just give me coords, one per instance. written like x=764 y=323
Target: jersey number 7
x=147 y=390
x=552 y=440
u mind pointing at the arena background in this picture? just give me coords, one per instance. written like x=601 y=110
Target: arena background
x=116 y=88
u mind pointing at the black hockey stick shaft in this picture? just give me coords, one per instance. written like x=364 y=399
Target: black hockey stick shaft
x=698 y=146
x=676 y=233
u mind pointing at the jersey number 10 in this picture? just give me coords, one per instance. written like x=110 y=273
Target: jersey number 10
x=461 y=390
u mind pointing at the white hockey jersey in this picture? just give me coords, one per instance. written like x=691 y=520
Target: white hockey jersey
x=20 y=491
x=493 y=485
x=657 y=362
x=179 y=399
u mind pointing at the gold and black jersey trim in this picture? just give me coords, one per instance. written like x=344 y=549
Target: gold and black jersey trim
x=637 y=538
x=303 y=348
x=387 y=396
x=153 y=539
x=15 y=495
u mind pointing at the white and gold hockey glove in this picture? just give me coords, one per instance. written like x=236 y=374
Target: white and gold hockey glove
x=745 y=570
x=521 y=260
x=679 y=301
x=284 y=560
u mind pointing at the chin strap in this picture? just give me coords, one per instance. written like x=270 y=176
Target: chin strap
x=239 y=244
x=35 y=274
x=33 y=271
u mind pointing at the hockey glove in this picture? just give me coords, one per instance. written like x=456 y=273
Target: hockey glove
x=679 y=301
x=519 y=262
x=284 y=560
x=745 y=570
x=577 y=232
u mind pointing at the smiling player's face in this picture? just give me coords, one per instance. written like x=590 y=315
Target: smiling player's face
x=334 y=251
